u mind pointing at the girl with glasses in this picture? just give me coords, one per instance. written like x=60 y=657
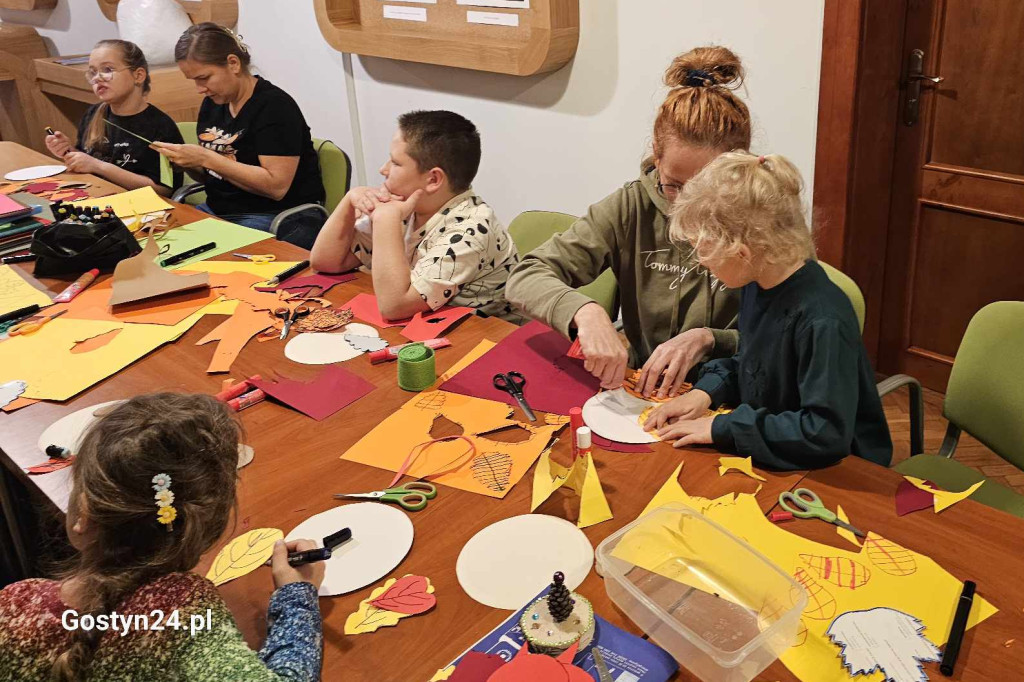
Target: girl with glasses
x=114 y=133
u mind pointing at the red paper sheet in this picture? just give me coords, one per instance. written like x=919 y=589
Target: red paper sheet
x=321 y=283
x=476 y=666
x=910 y=498
x=364 y=306
x=333 y=389
x=433 y=325
x=615 y=446
x=554 y=383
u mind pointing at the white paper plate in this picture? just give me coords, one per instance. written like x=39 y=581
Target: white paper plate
x=615 y=414
x=381 y=537
x=326 y=348
x=509 y=562
x=68 y=430
x=245 y=455
x=35 y=172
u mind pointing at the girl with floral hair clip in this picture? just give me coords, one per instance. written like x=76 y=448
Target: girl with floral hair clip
x=153 y=490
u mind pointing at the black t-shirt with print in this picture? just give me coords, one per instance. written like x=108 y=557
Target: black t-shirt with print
x=269 y=124
x=126 y=150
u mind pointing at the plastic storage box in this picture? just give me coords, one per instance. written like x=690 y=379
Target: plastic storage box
x=716 y=604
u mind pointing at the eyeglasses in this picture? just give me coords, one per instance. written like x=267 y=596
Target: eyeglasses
x=668 y=190
x=106 y=74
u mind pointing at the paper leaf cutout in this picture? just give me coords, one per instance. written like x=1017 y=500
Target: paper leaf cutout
x=10 y=391
x=839 y=571
x=910 y=498
x=139 y=278
x=847 y=535
x=410 y=595
x=889 y=557
x=51 y=465
x=885 y=640
x=944 y=499
x=243 y=555
x=369 y=618
x=744 y=465
x=821 y=605
x=365 y=344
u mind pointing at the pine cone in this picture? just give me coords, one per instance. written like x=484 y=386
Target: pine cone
x=560 y=601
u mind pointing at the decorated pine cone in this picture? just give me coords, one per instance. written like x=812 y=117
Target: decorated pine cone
x=560 y=602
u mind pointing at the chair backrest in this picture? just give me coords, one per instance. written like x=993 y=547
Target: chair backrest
x=188 y=132
x=336 y=169
x=849 y=287
x=985 y=395
x=530 y=229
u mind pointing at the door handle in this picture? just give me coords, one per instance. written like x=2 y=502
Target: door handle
x=921 y=77
x=915 y=74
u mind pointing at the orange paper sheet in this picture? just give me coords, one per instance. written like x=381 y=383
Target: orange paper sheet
x=233 y=334
x=92 y=304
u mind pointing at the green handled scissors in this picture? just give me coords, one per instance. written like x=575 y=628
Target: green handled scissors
x=807 y=505
x=411 y=496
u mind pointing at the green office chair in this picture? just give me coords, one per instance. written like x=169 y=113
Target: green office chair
x=530 y=229
x=849 y=287
x=985 y=398
x=191 y=136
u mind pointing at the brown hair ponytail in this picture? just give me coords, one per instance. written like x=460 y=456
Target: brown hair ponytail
x=96 y=139
x=210 y=43
x=193 y=439
x=701 y=109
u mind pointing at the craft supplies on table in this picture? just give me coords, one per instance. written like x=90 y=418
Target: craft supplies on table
x=416 y=367
x=412 y=496
x=805 y=504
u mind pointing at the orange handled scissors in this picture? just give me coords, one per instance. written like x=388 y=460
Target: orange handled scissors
x=32 y=326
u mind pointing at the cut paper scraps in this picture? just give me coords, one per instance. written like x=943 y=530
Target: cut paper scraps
x=581 y=477
x=16 y=292
x=333 y=389
x=243 y=555
x=365 y=343
x=448 y=462
x=744 y=465
x=883 y=640
x=845 y=533
x=554 y=383
x=910 y=498
x=396 y=599
x=50 y=465
x=615 y=415
x=882 y=574
x=232 y=334
x=11 y=391
x=138 y=278
x=326 y=349
x=632 y=379
x=432 y=325
x=943 y=499
x=310 y=285
x=129 y=204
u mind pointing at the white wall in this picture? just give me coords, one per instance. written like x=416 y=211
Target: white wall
x=55 y=25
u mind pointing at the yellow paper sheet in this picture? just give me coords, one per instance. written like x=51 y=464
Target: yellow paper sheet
x=848 y=535
x=943 y=499
x=492 y=470
x=128 y=204
x=744 y=465
x=17 y=293
x=224 y=267
x=581 y=477
x=882 y=573
x=44 y=359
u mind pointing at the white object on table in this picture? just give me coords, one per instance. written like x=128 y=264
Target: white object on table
x=507 y=563
x=34 y=172
x=67 y=431
x=325 y=348
x=381 y=537
x=615 y=415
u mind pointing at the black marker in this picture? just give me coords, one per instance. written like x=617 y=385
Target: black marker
x=185 y=255
x=331 y=542
x=20 y=258
x=293 y=270
x=20 y=312
x=956 y=631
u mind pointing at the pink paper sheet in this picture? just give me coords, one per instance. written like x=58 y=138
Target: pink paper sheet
x=554 y=383
x=433 y=325
x=333 y=389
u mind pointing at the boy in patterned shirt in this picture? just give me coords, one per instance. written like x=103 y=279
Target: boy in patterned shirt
x=425 y=235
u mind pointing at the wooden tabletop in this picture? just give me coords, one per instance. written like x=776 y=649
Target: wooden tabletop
x=297 y=468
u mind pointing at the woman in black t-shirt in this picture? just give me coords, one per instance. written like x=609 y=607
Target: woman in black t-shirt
x=255 y=154
x=114 y=135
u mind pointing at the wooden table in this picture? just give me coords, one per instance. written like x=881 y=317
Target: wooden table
x=297 y=468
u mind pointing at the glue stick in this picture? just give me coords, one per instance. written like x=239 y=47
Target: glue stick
x=76 y=287
x=575 y=422
x=583 y=440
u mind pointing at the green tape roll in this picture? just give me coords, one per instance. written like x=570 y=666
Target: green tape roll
x=416 y=367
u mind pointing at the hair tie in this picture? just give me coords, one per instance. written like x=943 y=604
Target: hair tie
x=698 y=78
x=237 y=38
x=165 y=513
x=761 y=160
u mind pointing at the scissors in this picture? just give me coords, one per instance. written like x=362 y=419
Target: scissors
x=411 y=496
x=290 y=317
x=31 y=326
x=257 y=257
x=807 y=505
x=512 y=383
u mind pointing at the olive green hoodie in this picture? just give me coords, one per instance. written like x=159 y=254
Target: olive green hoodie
x=662 y=289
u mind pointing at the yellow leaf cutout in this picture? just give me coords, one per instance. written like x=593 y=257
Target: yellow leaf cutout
x=943 y=499
x=368 y=618
x=741 y=464
x=244 y=555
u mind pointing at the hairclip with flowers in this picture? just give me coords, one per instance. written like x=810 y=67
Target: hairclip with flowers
x=165 y=511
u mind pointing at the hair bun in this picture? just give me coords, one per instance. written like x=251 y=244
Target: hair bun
x=705 y=67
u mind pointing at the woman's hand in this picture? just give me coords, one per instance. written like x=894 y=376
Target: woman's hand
x=184 y=155
x=58 y=144
x=687 y=406
x=284 y=574
x=605 y=356
x=675 y=358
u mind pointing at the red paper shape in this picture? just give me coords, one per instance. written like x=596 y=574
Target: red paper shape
x=476 y=666
x=333 y=389
x=408 y=595
x=615 y=446
x=910 y=498
x=554 y=383
x=364 y=306
x=541 y=668
x=432 y=325
x=38 y=187
x=51 y=465
x=576 y=351
x=317 y=281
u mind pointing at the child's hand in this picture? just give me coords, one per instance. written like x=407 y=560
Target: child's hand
x=365 y=199
x=58 y=144
x=80 y=162
x=688 y=432
x=687 y=406
x=401 y=208
x=285 y=574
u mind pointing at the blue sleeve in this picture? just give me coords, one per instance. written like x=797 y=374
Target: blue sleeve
x=819 y=431
x=720 y=380
x=294 y=646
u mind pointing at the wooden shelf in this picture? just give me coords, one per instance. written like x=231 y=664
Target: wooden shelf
x=223 y=12
x=545 y=39
x=28 y=4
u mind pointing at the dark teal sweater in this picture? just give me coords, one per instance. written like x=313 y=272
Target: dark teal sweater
x=802 y=381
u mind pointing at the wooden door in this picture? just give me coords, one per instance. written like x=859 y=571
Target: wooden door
x=956 y=226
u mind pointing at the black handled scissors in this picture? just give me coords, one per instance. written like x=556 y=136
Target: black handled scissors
x=290 y=317
x=512 y=383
